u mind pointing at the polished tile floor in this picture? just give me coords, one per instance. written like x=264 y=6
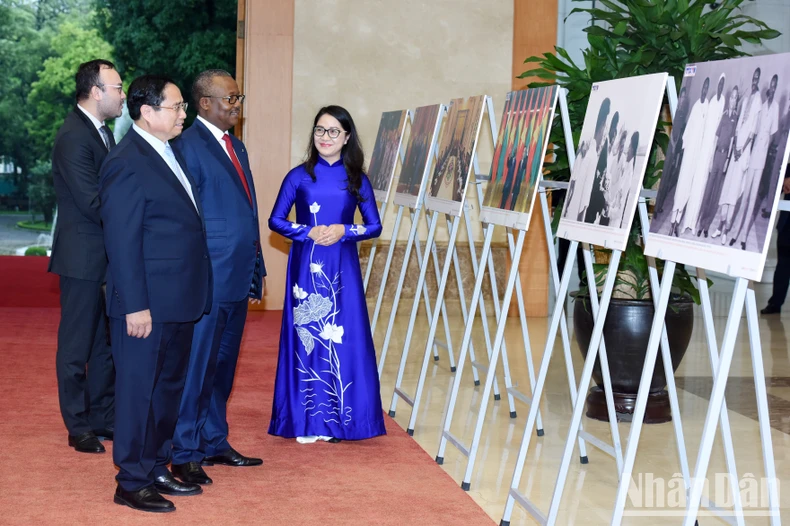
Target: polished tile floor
x=590 y=490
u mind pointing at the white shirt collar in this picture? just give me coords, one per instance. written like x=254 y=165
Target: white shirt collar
x=157 y=144
x=96 y=122
x=216 y=132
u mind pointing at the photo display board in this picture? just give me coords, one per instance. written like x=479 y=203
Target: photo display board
x=385 y=152
x=518 y=157
x=723 y=173
x=616 y=138
x=447 y=189
x=413 y=172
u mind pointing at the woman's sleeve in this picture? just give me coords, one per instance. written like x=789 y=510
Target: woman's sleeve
x=278 y=220
x=371 y=222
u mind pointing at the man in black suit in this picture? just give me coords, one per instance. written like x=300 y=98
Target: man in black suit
x=159 y=283
x=782 y=271
x=86 y=377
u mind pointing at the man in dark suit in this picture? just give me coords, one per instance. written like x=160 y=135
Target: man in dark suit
x=86 y=377
x=158 y=285
x=219 y=164
x=782 y=271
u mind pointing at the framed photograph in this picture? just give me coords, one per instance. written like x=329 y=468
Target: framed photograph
x=518 y=157
x=416 y=163
x=447 y=189
x=723 y=172
x=616 y=138
x=385 y=152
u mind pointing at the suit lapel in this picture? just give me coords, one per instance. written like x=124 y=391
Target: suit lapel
x=192 y=184
x=161 y=168
x=219 y=153
x=93 y=131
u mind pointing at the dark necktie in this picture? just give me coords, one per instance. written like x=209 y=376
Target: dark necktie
x=237 y=165
x=107 y=137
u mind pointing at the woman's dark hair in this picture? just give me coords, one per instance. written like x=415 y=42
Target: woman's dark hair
x=352 y=154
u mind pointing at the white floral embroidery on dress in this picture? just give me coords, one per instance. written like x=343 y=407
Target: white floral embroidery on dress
x=315 y=321
x=296 y=226
x=299 y=292
x=358 y=229
x=332 y=332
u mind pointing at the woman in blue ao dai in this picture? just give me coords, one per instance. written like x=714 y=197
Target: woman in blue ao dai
x=327 y=385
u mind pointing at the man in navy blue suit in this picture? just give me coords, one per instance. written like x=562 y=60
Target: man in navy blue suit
x=219 y=164
x=158 y=285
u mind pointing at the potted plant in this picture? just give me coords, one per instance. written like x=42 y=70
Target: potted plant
x=627 y=38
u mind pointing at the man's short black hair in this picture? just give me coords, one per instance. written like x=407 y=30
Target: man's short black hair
x=88 y=76
x=201 y=87
x=146 y=89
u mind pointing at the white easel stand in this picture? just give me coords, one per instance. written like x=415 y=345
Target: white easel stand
x=383 y=208
x=452 y=225
x=717 y=409
x=415 y=242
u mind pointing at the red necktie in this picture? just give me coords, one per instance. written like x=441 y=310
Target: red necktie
x=237 y=165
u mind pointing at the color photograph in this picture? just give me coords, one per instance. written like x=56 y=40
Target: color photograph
x=611 y=159
x=722 y=176
x=456 y=148
x=385 y=152
x=518 y=157
x=418 y=149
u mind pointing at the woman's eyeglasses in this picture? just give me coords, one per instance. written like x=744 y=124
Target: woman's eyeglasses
x=334 y=133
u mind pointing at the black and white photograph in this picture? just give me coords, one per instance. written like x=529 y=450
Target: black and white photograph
x=721 y=180
x=615 y=142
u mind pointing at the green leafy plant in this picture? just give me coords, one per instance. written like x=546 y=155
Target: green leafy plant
x=639 y=37
x=36 y=251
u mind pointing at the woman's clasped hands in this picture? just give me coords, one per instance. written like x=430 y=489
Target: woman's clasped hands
x=326 y=235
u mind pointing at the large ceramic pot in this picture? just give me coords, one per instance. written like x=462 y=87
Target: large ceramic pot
x=626 y=333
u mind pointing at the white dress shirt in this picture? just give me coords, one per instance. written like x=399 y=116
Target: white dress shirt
x=218 y=134
x=96 y=122
x=166 y=152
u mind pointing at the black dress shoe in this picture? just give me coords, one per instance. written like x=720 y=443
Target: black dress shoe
x=771 y=309
x=168 y=485
x=104 y=434
x=232 y=457
x=146 y=499
x=191 y=472
x=86 y=443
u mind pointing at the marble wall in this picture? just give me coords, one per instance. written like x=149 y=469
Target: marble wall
x=379 y=55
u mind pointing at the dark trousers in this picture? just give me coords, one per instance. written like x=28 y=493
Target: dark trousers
x=781 y=276
x=202 y=429
x=149 y=381
x=85 y=372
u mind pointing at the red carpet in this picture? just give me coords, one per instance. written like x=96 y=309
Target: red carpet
x=25 y=282
x=387 y=480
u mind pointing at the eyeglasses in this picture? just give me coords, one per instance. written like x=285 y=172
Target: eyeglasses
x=119 y=87
x=232 y=99
x=334 y=133
x=174 y=107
